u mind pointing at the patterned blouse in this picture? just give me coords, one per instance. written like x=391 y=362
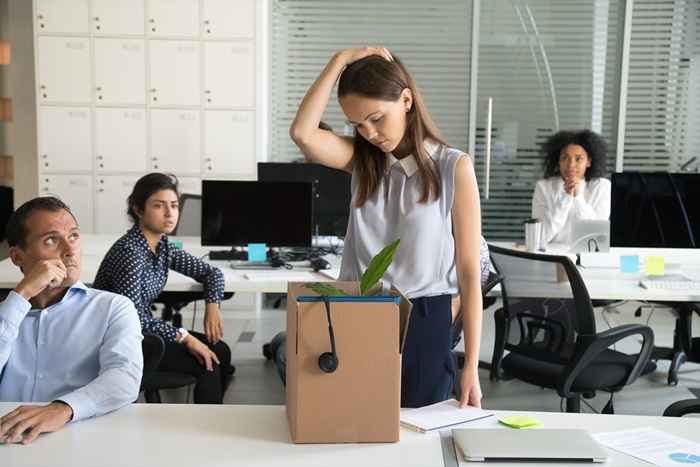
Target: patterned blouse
x=131 y=269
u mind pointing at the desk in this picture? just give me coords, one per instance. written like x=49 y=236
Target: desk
x=257 y=436
x=96 y=246
x=608 y=283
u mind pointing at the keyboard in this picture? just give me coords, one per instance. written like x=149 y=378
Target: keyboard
x=681 y=284
x=282 y=276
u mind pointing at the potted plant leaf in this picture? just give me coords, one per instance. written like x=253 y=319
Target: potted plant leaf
x=374 y=272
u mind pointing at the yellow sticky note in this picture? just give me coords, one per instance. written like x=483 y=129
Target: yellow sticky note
x=654 y=265
x=519 y=421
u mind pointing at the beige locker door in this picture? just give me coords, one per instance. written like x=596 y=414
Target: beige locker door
x=174 y=73
x=173 y=18
x=64 y=70
x=120 y=71
x=118 y=17
x=224 y=19
x=65 y=139
x=120 y=136
x=229 y=74
x=229 y=143
x=175 y=141
x=61 y=16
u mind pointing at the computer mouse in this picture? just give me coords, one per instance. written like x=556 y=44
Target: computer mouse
x=318 y=264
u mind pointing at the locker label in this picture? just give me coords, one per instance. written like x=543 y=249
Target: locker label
x=75 y=45
x=77 y=114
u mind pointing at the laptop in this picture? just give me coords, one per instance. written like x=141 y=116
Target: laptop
x=588 y=235
x=568 y=445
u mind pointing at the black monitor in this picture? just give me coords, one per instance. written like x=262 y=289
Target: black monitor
x=236 y=213
x=331 y=192
x=655 y=210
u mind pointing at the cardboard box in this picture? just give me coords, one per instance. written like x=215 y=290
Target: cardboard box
x=360 y=401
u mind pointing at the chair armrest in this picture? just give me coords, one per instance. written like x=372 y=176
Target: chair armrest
x=591 y=346
x=684 y=407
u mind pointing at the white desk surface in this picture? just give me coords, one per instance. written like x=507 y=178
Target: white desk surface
x=96 y=246
x=608 y=283
x=257 y=436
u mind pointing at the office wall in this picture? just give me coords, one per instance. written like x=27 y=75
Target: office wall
x=18 y=137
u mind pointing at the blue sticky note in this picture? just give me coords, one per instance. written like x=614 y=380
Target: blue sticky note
x=257 y=252
x=629 y=263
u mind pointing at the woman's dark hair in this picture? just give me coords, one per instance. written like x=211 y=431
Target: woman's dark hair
x=377 y=78
x=145 y=187
x=593 y=143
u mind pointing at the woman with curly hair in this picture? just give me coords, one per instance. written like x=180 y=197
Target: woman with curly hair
x=573 y=187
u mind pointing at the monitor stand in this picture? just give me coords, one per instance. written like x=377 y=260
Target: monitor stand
x=228 y=255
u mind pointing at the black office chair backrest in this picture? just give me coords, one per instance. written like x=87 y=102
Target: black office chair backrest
x=545 y=302
x=190 y=223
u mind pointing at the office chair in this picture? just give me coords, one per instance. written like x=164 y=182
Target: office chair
x=189 y=224
x=683 y=407
x=153 y=380
x=552 y=340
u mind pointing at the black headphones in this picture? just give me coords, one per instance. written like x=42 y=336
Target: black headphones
x=328 y=361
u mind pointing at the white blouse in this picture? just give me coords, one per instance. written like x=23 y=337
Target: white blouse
x=557 y=210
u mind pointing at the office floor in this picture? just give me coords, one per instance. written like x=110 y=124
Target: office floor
x=256 y=380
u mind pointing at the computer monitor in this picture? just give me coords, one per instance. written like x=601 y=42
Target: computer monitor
x=655 y=210
x=331 y=192
x=236 y=213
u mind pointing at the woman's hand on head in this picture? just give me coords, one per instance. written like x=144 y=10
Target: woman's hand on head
x=349 y=56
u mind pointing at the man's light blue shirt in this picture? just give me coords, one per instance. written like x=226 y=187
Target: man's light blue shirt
x=84 y=350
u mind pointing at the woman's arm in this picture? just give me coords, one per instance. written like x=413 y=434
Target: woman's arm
x=552 y=218
x=212 y=280
x=599 y=205
x=466 y=222
x=320 y=146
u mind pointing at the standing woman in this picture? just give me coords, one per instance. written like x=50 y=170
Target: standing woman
x=573 y=187
x=408 y=184
x=137 y=266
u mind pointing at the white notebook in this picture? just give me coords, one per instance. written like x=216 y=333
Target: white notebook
x=444 y=414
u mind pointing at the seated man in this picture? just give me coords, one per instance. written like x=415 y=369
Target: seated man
x=77 y=348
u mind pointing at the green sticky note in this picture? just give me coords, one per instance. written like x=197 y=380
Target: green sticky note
x=519 y=421
x=654 y=265
x=176 y=244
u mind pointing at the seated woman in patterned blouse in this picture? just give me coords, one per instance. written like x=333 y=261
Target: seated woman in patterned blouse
x=137 y=267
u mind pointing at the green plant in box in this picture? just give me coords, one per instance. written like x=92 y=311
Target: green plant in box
x=375 y=271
